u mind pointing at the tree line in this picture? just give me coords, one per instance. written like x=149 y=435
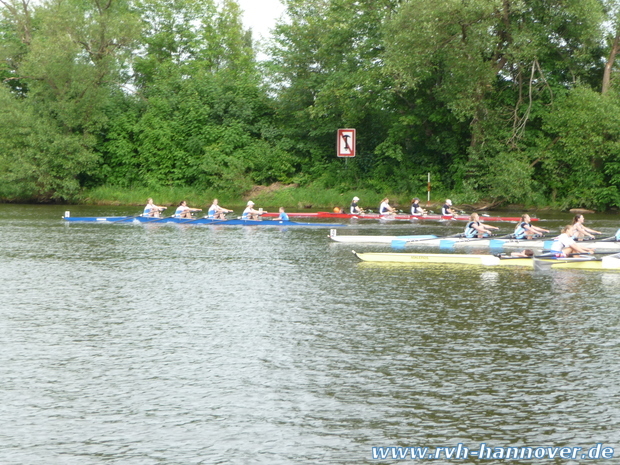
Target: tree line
x=508 y=100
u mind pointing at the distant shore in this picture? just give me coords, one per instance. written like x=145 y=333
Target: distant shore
x=292 y=197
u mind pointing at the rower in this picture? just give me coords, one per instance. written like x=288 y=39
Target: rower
x=250 y=214
x=580 y=231
x=564 y=245
x=416 y=210
x=475 y=228
x=525 y=230
x=217 y=212
x=385 y=209
x=355 y=209
x=151 y=209
x=183 y=211
x=447 y=209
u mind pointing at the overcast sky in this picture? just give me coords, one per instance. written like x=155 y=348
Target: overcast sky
x=260 y=15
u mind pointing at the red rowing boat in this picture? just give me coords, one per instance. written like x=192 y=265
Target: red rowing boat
x=400 y=216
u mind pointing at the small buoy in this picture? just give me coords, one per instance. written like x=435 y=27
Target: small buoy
x=336 y=210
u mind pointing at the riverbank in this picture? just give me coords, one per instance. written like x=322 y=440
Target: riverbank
x=293 y=198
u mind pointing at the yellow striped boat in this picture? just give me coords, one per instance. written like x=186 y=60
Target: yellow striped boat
x=611 y=262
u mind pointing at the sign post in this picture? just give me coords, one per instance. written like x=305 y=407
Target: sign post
x=345 y=143
x=428 y=189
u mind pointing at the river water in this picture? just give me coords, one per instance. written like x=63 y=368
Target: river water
x=168 y=344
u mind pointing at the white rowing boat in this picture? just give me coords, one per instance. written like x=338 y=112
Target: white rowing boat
x=450 y=243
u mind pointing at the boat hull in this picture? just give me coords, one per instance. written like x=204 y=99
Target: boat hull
x=401 y=216
x=447 y=243
x=193 y=221
x=581 y=263
x=379 y=239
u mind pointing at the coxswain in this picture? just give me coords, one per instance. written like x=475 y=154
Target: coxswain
x=283 y=216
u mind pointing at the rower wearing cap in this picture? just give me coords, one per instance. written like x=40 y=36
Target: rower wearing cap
x=250 y=214
x=416 y=210
x=355 y=209
x=447 y=209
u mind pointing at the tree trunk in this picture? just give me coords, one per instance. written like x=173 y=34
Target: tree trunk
x=610 y=64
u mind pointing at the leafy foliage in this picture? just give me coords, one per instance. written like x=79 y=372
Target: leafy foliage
x=496 y=99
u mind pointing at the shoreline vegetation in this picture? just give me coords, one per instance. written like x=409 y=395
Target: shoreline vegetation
x=290 y=196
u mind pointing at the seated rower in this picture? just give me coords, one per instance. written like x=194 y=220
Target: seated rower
x=447 y=209
x=564 y=245
x=525 y=230
x=416 y=210
x=151 y=209
x=283 y=216
x=385 y=209
x=217 y=212
x=183 y=211
x=475 y=228
x=355 y=209
x=580 y=232
x=250 y=214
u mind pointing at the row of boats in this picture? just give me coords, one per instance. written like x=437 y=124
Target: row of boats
x=447 y=243
x=273 y=222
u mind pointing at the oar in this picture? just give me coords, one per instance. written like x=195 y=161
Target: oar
x=127 y=218
x=401 y=243
x=608 y=239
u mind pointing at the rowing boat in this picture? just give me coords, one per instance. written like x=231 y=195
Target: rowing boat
x=188 y=221
x=450 y=243
x=398 y=216
x=378 y=239
x=611 y=262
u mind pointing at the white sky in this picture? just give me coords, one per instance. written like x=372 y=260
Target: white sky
x=260 y=15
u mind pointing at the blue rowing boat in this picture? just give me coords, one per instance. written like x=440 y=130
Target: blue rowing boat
x=192 y=221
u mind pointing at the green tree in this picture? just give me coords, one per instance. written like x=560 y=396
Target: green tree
x=66 y=68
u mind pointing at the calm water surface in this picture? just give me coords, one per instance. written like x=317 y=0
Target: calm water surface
x=168 y=344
